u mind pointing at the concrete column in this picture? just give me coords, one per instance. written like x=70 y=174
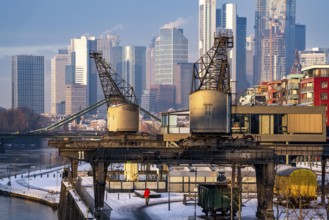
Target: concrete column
x=99 y=174
x=265 y=181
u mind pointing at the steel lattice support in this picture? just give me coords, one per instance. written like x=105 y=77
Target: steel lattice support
x=116 y=90
x=212 y=71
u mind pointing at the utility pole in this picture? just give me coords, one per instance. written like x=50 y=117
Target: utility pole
x=232 y=191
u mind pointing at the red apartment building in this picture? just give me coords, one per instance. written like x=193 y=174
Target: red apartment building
x=315 y=87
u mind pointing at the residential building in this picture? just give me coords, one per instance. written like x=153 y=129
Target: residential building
x=28 y=82
x=58 y=68
x=293 y=88
x=272 y=88
x=170 y=47
x=314 y=87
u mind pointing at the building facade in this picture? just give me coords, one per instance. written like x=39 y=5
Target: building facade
x=28 y=82
x=313 y=57
x=315 y=87
x=130 y=63
x=170 y=47
x=207 y=25
x=165 y=97
x=275 y=39
x=182 y=81
x=85 y=71
x=58 y=70
x=150 y=64
x=75 y=98
x=238 y=25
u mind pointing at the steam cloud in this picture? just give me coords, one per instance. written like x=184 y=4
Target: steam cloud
x=178 y=23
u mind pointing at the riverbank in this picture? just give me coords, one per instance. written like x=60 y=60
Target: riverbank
x=41 y=186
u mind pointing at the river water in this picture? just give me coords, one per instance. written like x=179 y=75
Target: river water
x=22 y=155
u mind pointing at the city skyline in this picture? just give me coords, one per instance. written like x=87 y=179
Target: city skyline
x=41 y=28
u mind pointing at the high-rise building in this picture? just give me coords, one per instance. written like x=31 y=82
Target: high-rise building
x=300 y=38
x=28 y=82
x=150 y=64
x=85 y=68
x=170 y=47
x=75 y=98
x=207 y=25
x=238 y=25
x=129 y=62
x=275 y=39
x=218 y=18
x=182 y=81
x=105 y=45
x=310 y=58
x=250 y=47
x=165 y=97
x=149 y=101
x=58 y=69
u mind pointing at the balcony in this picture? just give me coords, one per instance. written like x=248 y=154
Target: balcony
x=307 y=89
x=293 y=96
x=293 y=86
x=307 y=100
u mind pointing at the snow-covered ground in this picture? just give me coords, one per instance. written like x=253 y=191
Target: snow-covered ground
x=46 y=184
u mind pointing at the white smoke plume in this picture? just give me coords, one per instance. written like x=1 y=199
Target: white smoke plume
x=112 y=30
x=178 y=23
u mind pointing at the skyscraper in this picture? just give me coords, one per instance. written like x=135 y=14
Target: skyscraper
x=28 y=82
x=85 y=68
x=170 y=47
x=207 y=25
x=182 y=81
x=105 y=44
x=129 y=63
x=238 y=25
x=150 y=64
x=300 y=33
x=58 y=68
x=274 y=39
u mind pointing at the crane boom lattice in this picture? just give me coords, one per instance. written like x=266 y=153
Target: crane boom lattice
x=211 y=71
x=116 y=90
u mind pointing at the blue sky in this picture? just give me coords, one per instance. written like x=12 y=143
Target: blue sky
x=41 y=27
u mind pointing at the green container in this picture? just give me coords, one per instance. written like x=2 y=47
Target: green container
x=217 y=198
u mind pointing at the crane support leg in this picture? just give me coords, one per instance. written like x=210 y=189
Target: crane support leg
x=265 y=181
x=99 y=173
x=74 y=169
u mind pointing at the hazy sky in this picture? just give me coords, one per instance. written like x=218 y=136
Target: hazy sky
x=41 y=27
